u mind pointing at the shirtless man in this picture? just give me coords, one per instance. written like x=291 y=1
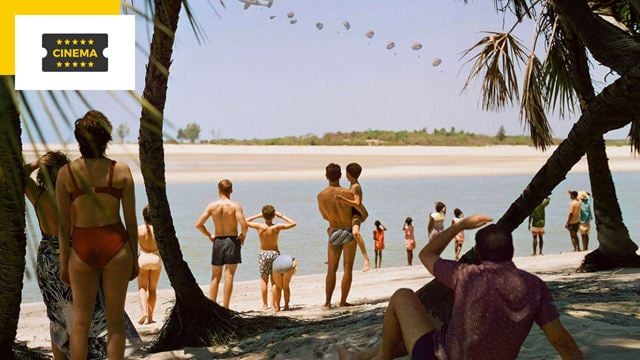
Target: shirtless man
x=339 y=215
x=226 y=216
x=268 y=233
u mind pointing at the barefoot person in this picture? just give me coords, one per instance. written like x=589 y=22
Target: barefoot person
x=284 y=266
x=409 y=239
x=94 y=189
x=56 y=294
x=585 y=218
x=573 y=220
x=339 y=216
x=359 y=212
x=150 y=265
x=226 y=243
x=378 y=242
x=536 y=225
x=495 y=305
x=268 y=233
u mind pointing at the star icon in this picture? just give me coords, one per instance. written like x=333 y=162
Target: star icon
x=90 y=41
x=59 y=64
x=66 y=41
x=82 y=64
x=66 y=64
x=83 y=41
x=75 y=42
x=75 y=64
x=90 y=63
x=58 y=42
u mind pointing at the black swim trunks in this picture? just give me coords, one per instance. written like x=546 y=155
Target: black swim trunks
x=424 y=348
x=573 y=227
x=226 y=250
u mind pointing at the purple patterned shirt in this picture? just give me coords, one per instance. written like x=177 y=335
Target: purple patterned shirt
x=494 y=307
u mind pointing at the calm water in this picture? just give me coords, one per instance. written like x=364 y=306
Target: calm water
x=389 y=201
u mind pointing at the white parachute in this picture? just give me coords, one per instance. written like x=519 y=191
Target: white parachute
x=416 y=46
x=391 y=45
x=290 y=15
x=436 y=62
x=370 y=34
x=346 y=25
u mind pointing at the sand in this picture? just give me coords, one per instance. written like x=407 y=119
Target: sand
x=209 y=163
x=601 y=310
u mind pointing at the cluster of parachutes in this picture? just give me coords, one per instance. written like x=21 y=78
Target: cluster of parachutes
x=370 y=34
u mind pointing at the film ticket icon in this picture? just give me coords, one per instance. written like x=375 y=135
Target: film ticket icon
x=75 y=52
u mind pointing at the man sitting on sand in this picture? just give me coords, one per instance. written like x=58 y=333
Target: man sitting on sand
x=268 y=234
x=495 y=305
x=338 y=214
x=226 y=215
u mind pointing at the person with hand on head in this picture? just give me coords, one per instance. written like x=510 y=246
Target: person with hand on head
x=495 y=305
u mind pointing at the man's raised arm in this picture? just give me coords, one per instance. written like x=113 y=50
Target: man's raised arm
x=431 y=252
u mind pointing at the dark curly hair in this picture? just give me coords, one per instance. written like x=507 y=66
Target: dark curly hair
x=93 y=133
x=53 y=161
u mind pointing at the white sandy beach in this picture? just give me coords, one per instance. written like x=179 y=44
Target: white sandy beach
x=601 y=310
x=207 y=163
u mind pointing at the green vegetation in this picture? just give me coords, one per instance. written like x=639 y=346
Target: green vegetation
x=439 y=137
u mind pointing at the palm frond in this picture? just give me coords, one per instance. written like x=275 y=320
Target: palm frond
x=531 y=106
x=520 y=8
x=496 y=61
x=558 y=78
x=634 y=136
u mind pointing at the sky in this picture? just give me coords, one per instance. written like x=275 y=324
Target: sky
x=256 y=77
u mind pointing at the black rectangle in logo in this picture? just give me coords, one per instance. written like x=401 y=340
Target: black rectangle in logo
x=75 y=52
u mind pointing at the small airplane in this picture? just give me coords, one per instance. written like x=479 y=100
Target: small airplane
x=248 y=3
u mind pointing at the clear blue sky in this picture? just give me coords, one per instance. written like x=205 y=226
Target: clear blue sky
x=257 y=77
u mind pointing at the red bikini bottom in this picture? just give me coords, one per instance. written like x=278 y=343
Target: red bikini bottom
x=96 y=246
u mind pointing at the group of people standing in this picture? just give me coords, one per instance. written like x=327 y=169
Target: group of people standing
x=578 y=220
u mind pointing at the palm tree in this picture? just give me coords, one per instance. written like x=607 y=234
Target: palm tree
x=564 y=73
x=194 y=320
x=13 y=240
x=555 y=84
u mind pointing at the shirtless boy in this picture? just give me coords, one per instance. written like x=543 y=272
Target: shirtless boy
x=226 y=215
x=359 y=213
x=339 y=215
x=268 y=233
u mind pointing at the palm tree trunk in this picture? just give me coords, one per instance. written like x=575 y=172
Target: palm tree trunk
x=615 y=107
x=616 y=247
x=194 y=321
x=13 y=240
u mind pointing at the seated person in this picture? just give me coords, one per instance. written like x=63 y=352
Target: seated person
x=495 y=305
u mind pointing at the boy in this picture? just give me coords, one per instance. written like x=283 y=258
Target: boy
x=268 y=234
x=358 y=210
x=536 y=225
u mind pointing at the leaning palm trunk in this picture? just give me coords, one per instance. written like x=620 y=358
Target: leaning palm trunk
x=616 y=247
x=615 y=107
x=13 y=240
x=194 y=320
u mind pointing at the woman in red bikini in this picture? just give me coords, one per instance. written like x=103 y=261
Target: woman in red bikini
x=89 y=192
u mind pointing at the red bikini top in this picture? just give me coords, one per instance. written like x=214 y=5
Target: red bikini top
x=109 y=190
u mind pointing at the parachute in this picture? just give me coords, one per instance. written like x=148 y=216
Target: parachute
x=370 y=34
x=272 y=17
x=346 y=25
x=290 y=15
x=436 y=62
x=319 y=26
x=293 y=21
x=416 y=46
x=391 y=45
